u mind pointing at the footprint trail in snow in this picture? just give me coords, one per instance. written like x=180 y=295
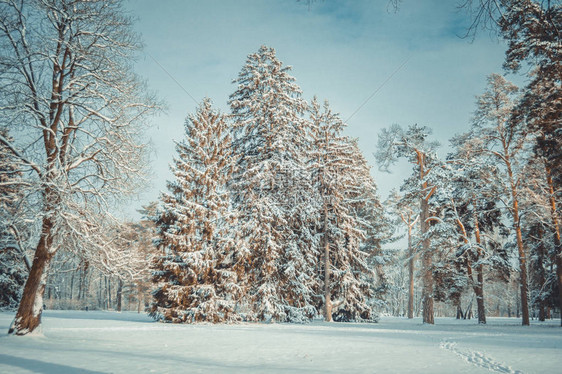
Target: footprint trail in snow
x=478 y=358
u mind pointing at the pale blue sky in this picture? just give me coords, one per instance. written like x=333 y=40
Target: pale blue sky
x=340 y=50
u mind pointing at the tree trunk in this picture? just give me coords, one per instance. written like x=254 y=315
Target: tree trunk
x=139 y=297
x=119 y=295
x=537 y=273
x=411 y=274
x=522 y=273
x=29 y=312
x=100 y=293
x=520 y=248
x=518 y=305
x=557 y=242
x=459 y=312
x=327 y=293
x=427 y=260
x=479 y=286
x=71 y=285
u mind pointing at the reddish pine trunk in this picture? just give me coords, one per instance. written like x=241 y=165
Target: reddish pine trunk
x=29 y=312
x=520 y=248
x=522 y=267
x=411 y=275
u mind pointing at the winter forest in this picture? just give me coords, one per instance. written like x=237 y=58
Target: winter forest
x=272 y=214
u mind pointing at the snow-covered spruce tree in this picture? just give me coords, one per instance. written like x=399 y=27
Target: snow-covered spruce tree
x=271 y=189
x=66 y=83
x=350 y=220
x=377 y=229
x=197 y=273
x=413 y=144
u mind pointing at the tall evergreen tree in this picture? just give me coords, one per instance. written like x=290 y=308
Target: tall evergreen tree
x=474 y=191
x=269 y=186
x=540 y=234
x=197 y=274
x=350 y=220
x=498 y=140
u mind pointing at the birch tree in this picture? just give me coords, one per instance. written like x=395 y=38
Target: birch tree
x=76 y=110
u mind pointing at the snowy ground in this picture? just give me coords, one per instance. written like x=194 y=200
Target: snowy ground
x=107 y=342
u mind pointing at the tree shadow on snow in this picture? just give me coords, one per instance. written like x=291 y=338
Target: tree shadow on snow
x=37 y=366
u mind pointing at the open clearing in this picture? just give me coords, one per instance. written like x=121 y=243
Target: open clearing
x=109 y=342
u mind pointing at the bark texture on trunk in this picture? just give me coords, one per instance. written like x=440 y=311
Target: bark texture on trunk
x=28 y=316
x=407 y=219
x=427 y=260
x=479 y=286
x=523 y=282
x=119 y=294
x=427 y=257
x=411 y=275
x=522 y=268
x=327 y=291
x=460 y=314
x=557 y=241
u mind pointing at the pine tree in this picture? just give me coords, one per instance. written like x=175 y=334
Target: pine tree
x=270 y=187
x=414 y=145
x=499 y=140
x=540 y=234
x=196 y=275
x=532 y=31
x=474 y=191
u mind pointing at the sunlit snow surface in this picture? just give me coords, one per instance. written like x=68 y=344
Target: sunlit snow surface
x=108 y=342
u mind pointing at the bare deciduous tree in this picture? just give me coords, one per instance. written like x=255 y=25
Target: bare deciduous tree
x=76 y=110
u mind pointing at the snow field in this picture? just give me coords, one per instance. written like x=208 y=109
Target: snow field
x=108 y=342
